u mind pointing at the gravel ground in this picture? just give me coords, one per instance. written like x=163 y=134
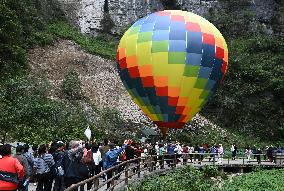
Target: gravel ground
x=99 y=77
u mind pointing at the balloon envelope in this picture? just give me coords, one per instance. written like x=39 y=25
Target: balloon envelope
x=171 y=62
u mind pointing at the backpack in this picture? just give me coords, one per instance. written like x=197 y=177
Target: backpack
x=9 y=177
x=112 y=155
x=57 y=169
x=88 y=158
x=123 y=156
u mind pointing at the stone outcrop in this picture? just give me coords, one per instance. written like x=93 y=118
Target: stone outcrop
x=89 y=15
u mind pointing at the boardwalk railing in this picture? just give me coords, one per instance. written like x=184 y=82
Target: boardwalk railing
x=124 y=171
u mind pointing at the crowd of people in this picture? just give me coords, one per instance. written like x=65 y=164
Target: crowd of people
x=57 y=166
x=268 y=153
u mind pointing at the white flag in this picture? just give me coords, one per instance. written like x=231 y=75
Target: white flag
x=88 y=133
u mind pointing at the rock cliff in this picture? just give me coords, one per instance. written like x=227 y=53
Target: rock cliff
x=92 y=16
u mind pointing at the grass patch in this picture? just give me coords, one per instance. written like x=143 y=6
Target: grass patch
x=261 y=180
x=101 y=45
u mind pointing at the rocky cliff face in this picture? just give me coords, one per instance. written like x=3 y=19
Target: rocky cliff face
x=90 y=15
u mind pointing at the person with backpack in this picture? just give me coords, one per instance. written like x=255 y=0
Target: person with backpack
x=110 y=158
x=30 y=158
x=71 y=164
x=43 y=165
x=24 y=162
x=11 y=170
x=86 y=167
x=34 y=153
x=58 y=171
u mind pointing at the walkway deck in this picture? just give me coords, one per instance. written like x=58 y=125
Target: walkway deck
x=127 y=176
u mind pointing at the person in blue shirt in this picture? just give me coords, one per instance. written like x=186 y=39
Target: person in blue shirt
x=171 y=149
x=212 y=152
x=201 y=152
x=170 y=152
x=110 y=158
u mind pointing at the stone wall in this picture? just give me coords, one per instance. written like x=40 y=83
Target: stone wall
x=87 y=14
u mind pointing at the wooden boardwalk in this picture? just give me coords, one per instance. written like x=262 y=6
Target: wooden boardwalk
x=156 y=166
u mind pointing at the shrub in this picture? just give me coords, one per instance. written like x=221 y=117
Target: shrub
x=210 y=171
x=72 y=87
x=183 y=179
x=262 y=180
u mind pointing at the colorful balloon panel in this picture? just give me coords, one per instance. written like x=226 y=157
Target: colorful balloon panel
x=171 y=62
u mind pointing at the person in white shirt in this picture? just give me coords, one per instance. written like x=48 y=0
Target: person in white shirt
x=220 y=153
x=248 y=152
x=97 y=159
x=178 y=150
x=157 y=148
x=191 y=151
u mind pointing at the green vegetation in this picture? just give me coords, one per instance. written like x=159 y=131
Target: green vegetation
x=25 y=24
x=103 y=46
x=251 y=98
x=250 y=101
x=28 y=112
x=21 y=28
x=183 y=179
x=261 y=180
x=189 y=178
x=71 y=86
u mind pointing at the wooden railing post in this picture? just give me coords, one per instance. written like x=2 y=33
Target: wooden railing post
x=138 y=168
x=175 y=161
x=112 y=180
x=97 y=182
x=126 y=173
x=163 y=162
x=151 y=163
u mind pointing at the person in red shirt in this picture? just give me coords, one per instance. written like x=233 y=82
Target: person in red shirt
x=11 y=171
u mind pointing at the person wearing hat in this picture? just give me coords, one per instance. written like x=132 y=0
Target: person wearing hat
x=110 y=158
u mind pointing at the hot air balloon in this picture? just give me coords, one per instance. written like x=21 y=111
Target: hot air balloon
x=171 y=62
